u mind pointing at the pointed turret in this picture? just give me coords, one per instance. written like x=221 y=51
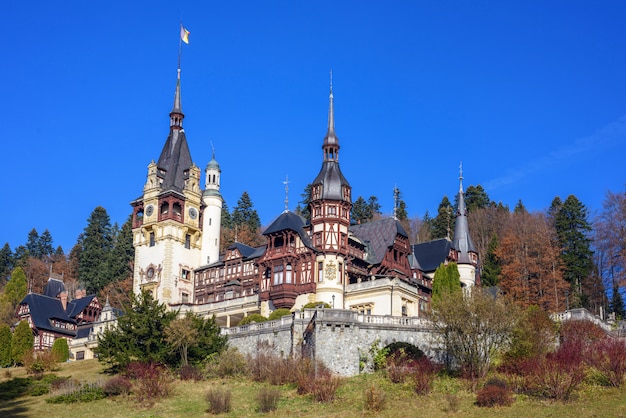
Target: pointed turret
x=175 y=160
x=177 y=115
x=462 y=242
x=332 y=184
x=331 y=142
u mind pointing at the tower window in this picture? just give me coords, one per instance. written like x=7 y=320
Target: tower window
x=152 y=239
x=320 y=271
x=187 y=241
x=288 y=275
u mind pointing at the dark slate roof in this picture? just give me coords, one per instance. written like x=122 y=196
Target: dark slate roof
x=175 y=159
x=290 y=221
x=332 y=180
x=431 y=254
x=379 y=235
x=54 y=287
x=245 y=250
x=76 y=306
x=462 y=242
x=43 y=308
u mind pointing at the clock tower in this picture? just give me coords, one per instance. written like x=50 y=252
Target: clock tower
x=167 y=230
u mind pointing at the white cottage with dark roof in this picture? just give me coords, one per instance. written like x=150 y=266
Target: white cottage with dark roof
x=370 y=268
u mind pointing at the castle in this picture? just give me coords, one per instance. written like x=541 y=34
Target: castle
x=369 y=268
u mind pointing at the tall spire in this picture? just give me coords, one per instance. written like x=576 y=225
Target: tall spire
x=286 y=183
x=176 y=115
x=462 y=241
x=331 y=142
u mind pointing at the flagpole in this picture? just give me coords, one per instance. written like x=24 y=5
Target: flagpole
x=180 y=47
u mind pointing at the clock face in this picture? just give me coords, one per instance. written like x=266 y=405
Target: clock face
x=149 y=210
x=193 y=213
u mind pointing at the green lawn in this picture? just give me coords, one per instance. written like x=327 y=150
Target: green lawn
x=450 y=398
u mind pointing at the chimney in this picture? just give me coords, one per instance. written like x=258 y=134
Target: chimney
x=63 y=297
x=80 y=293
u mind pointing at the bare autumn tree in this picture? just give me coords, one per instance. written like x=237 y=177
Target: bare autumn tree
x=531 y=269
x=484 y=223
x=180 y=334
x=473 y=327
x=610 y=242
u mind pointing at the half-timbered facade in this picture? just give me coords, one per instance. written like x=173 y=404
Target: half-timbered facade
x=51 y=316
x=370 y=268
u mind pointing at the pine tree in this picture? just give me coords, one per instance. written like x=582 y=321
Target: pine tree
x=123 y=253
x=244 y=214
x=44 y=245
x=5 y=345
x=519 y=207
x=491 y=266
x=139 y=335
x=96 y=247
x=617 y=303
x=6 y=264
x=303 y=205
x=21 y=342
x=476 y=198
x=572 y=229
x=359 y=211
x=32 y=244
x=443 y=223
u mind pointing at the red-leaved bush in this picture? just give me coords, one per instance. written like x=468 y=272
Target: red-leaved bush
x=492 y=395
x=609 y=358
x=424 y=372
x=117 y=385
x=152 y=380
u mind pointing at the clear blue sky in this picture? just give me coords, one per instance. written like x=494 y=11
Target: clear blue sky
x=530 y=95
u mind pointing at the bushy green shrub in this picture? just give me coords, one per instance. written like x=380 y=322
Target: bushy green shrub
x=61 y=350
x=252 y=318
x=279 y=313
x=228 y=363
x=313 y=305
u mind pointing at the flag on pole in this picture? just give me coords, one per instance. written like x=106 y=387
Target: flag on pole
x=184 y=34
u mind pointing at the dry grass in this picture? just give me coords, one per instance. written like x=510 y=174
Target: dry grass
x=188 y=399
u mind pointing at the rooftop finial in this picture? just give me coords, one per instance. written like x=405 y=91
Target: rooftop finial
x=286 y=183
x=212 y=150
x=461 y=177
x=396 y=196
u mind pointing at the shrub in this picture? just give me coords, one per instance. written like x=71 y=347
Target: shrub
x=375 y=399
x=267 y=399
x=279 y=313
x=117 y=385
x=219 y=400
x=38 y=363
x=424 y=372
x=252 y=318
x=227 y=363
x=453 y=402
x=73 y=391
x=557 y=376
x=495 y=392
x=313 y=305
x=609 y=358
x=324 y=387
x=61 y=350
x=189 y=372
x=153 y=381
x=398 y=367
